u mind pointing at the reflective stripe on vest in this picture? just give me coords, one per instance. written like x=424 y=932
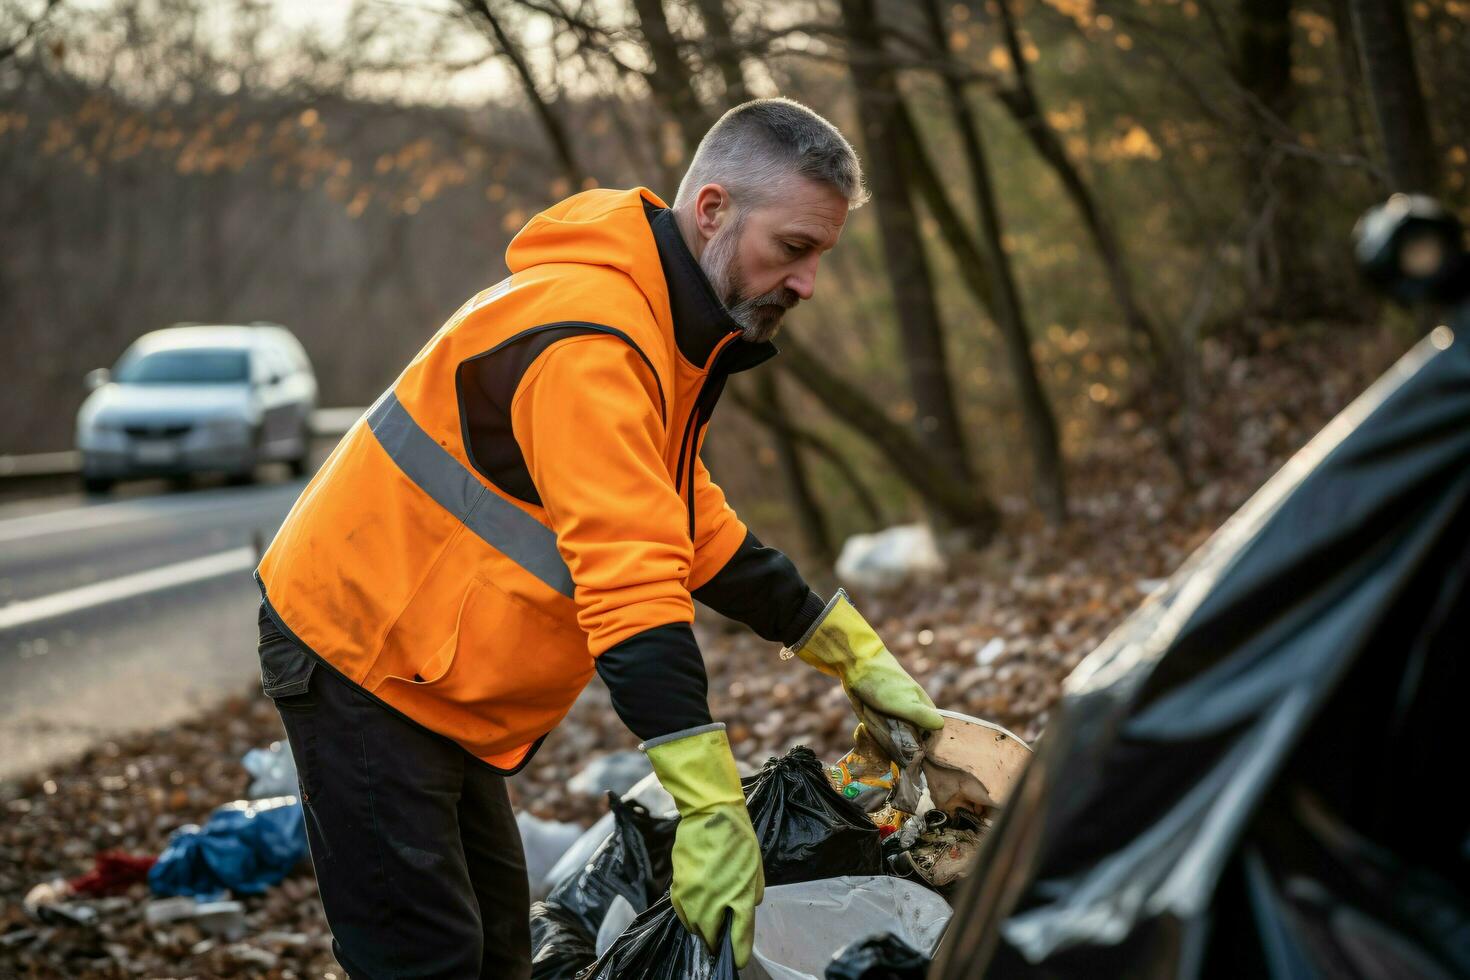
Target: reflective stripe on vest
x=501 y=524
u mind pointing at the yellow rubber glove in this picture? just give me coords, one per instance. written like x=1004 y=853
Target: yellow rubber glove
x=842 y=644
x=717 y=860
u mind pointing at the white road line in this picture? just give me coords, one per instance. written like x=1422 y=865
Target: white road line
x=31 y=611
x=132 y=511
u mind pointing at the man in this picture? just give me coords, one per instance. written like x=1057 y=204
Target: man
x=525 y=505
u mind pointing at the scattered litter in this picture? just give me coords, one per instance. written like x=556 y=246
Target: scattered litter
x=52 y=892
x=799 y=927
x=252 y=956
x=224 y=918
x=890 y=558
x=273 y=769
x=544 y=842
x=245 y=846
x=936 y=849
x=112 y=873
x=865 y=775
x=990 y=652
x=67 y=914
x=973 y=764
x=614 y=773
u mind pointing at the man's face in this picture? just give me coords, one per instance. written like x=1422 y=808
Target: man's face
x=762 y=260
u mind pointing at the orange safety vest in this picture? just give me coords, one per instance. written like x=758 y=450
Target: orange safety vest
x=527 y=494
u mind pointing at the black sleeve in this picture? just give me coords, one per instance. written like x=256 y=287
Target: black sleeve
x=657 y=681
x=761 y=588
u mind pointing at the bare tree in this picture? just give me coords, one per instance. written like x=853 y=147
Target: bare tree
x=880 y=109
x=1394 y=90
x=1003 y=298
x=546 y=112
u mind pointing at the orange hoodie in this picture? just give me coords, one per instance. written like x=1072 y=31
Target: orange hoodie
x=528 y=495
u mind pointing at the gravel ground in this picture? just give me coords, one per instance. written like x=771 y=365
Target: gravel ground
x=994 y=639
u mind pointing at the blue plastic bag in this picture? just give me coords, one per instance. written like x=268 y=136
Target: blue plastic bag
x=246 y=847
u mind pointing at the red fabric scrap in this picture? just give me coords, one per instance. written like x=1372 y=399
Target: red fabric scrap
x=113 y=873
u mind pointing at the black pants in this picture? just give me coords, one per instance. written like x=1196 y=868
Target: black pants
x=417 y=855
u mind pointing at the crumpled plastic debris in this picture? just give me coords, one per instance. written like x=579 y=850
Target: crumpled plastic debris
x=544 y=842
x=560 y=946
x=865 y=775
x=884 y=957
x=891 y=557
x=273 y=769
x=244 y=847
x=798 y=928
x=806 y=829
x=112 y=873
x=658 y=947
x=224 y=918
x=633 y=862
x=617 y=772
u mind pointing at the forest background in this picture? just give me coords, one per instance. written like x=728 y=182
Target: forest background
x=1084 y=211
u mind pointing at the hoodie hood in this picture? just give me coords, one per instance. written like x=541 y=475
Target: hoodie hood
x=597 y=227
x=634 y=232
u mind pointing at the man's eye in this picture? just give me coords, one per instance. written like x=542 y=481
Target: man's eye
x=791 y=248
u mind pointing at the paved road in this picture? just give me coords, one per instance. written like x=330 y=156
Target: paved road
x=127 y=613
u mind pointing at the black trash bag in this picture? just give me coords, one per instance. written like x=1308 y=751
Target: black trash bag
x=633 y=862
x=656 y=946
x=806 y=829
x=562 y=948
x=884 y=957
x=1312 y=649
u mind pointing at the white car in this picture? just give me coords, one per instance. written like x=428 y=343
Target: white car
x=192 y=399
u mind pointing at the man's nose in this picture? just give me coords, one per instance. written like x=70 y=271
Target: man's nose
x=804 y=280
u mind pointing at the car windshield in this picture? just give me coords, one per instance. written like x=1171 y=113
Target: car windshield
x=186 y=367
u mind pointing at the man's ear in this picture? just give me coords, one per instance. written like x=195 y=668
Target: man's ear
x=711 y=210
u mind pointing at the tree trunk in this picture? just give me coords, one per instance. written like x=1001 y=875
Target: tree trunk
x=1024 y=106
x=1004 y=303
x=881 y=113
x=955 y=499
x=1398 y=101
x=722 y=50
x=671 y=79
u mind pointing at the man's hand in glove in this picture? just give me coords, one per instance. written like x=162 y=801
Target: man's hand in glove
x=717 y=860
x=841 y=643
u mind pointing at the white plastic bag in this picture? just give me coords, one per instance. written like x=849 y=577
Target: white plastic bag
x=274 y=770
x=544 y=842
x=798 y=928
x=890 y=557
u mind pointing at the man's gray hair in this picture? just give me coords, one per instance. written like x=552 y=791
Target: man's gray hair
x=757 y=146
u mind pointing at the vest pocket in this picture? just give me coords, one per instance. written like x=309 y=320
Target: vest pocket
x=507 y=674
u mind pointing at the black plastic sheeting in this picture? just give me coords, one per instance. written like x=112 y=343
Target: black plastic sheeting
x=1259 y=773
x=656 y=946
x=633 y=862
x=560 y=945
x=807 y=830
x=882 y=957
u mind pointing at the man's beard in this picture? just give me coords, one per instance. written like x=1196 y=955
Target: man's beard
x=758 y=317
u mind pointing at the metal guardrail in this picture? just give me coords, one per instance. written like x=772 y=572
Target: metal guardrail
x=325 y=423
